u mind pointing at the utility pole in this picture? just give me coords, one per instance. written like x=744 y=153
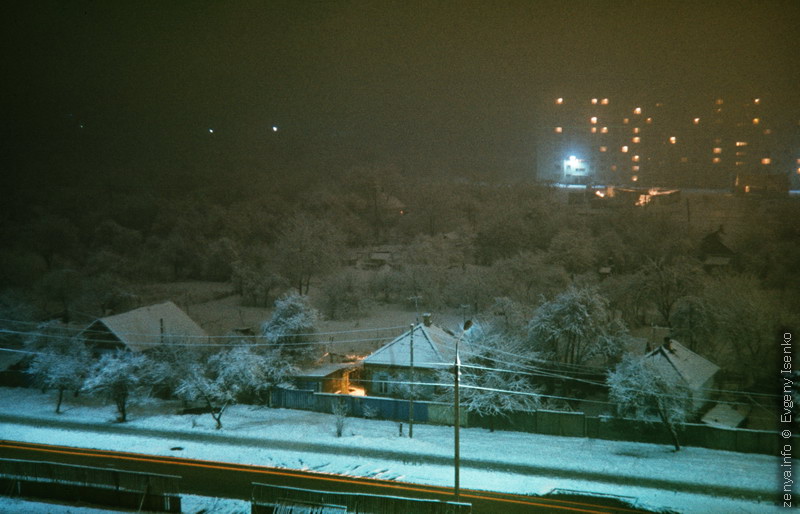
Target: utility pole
x=457 y=414
x=456 y=422
x=411 y=390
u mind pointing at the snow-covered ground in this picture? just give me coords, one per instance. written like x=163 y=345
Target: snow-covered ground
x=254 y=435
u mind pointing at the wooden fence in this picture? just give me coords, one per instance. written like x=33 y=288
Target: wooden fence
x=100 y=486
x=570 y=424
x=271 y=498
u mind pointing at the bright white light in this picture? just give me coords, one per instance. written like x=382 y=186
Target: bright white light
x=210 y=131
x=274 y=128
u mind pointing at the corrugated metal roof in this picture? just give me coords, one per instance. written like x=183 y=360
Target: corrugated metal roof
x=674 y=359
x=433 y=346
x=140 y=329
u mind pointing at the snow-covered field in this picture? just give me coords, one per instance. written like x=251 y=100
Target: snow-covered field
x=251 y=435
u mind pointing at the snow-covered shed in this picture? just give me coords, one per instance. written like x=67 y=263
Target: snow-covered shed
x=387 y=368
x=726 y=416
x=332 y=377
x=674 y=360
x=144 y=329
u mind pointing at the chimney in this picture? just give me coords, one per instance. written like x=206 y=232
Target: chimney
x=668 y=344
x=426 y=319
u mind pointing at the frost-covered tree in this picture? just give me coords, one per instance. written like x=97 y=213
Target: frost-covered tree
x=666 y=283
x=120 y=376
x=60 y=364
x=493 y=382
x=340 y=410
x=693 y=322
x=576 y=326
x=344 y=296
x=308 y=247
x=640 y=391
x=292 y=321
x=231 y=376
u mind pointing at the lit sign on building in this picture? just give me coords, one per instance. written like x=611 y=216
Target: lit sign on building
x=575 y=170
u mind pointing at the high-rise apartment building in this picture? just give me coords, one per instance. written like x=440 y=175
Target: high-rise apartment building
x=606 y=141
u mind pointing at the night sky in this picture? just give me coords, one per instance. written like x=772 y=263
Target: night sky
x=128 y=86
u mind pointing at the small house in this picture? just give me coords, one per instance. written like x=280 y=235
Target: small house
x=388 y=371
x=331 y=377
x=674 y=360
x=143 y=329
x=713 y=252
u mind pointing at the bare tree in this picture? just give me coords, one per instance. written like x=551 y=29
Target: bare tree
x=665 y=284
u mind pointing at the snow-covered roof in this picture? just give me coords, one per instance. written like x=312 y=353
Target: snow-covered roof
x=433 y=346
x=141 y=329
x=674 y=359
x=724 y=415
x=326 y=369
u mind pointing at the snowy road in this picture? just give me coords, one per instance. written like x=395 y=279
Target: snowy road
x=500 y=461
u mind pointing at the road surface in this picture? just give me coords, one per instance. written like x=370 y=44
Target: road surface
x=228 y=480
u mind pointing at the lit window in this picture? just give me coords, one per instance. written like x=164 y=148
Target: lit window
x=626 y=120
x=594 y=130
x=673 y=140
x=613 y=167
x=638 y=110
x=649 y=120
x=604 y=130
x=636 y=139
x=766 y=160
x=798 y=161
x=559 y=101
x=635 y=168
x=741 y=154
x=635 y=158
x=756 y=121
x=624 y=149
x=739 y=163
x=603 y=148
x=684 y=159
x=756 y=101
x=719 y=101
x=715 y=160
x=696 y=121
x=767 y=132
x=741 y=143
x=636 y=130
x=594 y=101
x=634 y=178
x=593 y=119
x=559 y=130
x=798 y=171
x=717 y=150
x=604 y=101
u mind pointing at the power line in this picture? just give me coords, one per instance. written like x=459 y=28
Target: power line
x=173 y=342
x=42 y=325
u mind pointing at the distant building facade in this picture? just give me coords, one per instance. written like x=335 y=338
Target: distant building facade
x=612 y=141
